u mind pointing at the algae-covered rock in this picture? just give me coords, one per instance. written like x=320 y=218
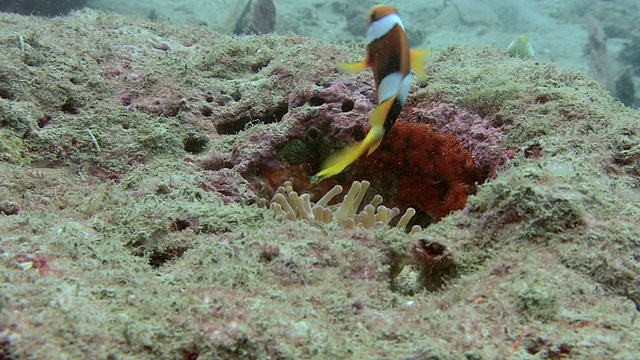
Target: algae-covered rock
x=151 y=241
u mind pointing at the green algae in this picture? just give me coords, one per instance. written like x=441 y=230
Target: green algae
x=12 y=149
x=536 y=302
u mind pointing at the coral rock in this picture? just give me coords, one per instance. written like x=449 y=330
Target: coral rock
x=229 y=184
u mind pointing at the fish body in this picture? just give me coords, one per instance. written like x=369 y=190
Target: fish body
x=521 y=47
x=391 y=61
x=48 y=173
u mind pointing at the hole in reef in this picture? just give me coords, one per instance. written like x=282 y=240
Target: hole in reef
x=271 y=115
x=316 y=101
x=159 y=258
x=206 y=111
x=313 y=134
x=71 y=106
x=275 y=114
x=6 y=94
x=180 y=224
x=347 y=105
x=233 y=127
x=44 y=121
x=195 y=143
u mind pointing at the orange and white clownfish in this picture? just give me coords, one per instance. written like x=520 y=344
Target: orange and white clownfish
x=391 y=60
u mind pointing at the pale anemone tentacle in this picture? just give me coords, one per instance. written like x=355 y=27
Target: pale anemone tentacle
x=324 y=201
x=404 y=220
x=348 y=214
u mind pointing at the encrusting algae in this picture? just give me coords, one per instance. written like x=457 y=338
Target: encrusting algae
x=293 y=206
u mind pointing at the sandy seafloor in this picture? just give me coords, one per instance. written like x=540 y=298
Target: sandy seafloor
x=131 y=151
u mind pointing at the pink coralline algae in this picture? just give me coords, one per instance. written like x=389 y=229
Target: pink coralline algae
x=229 y=185
x=342 y=110
x=316 y=120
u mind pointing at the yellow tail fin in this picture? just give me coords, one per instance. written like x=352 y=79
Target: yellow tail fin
x=418 y=58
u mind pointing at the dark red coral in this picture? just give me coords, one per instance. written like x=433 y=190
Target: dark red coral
x=481 y=136
x=416 y=166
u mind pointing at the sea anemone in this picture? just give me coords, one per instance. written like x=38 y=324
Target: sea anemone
x=347 y=214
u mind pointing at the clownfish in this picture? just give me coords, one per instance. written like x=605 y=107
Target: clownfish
x=391 y=60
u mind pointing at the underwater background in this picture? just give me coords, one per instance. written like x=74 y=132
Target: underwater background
x=597 y=37
x=593 y=36
x=158 y=197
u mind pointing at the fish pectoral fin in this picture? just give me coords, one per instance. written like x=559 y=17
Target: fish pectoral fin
x=354 y=67
x=418 y=58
